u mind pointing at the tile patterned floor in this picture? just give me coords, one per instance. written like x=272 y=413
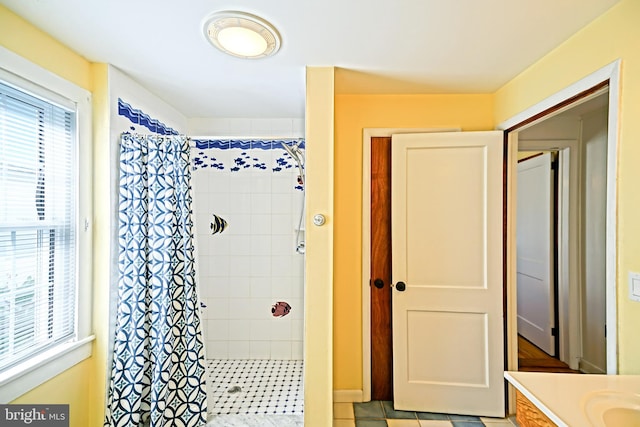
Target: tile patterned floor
x=246 y=420
x=382 y=414
x=262 y=393
x=255 y=387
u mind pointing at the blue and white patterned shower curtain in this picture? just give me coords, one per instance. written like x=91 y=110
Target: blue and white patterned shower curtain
x=158 y=372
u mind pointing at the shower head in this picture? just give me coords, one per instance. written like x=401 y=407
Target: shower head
x=297 y=155
x=294 y=151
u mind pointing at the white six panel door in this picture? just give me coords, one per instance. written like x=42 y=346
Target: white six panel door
x=447 y=249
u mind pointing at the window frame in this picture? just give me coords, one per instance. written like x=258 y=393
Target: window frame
x=34 y=79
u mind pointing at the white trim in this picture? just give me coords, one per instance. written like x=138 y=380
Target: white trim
x=367 y=134
x=347 y=396
x=43 y=367
x=610 y=72
x=41 y=81
x=606 y=73
x=612 y=215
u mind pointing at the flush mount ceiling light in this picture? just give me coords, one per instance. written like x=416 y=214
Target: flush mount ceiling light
x=241 y=34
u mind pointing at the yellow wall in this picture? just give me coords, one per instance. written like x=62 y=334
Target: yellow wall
x=353 y=113
x=615 y=34
x=31 y=43
x=71 y=387
x=82 y=385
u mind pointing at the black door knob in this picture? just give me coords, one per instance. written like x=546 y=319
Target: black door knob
x=378 y=283
x=401 y=286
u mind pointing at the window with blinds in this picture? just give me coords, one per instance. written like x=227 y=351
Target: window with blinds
x=38 y=244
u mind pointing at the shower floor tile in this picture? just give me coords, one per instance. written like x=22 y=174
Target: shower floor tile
x=255 y=387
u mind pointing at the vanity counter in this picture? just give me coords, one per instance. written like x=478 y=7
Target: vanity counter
x=569 y=400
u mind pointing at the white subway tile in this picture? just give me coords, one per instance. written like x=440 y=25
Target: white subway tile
x=283 y=224
x=260 y=349
x=240 y=182
x=282 y=265
x=281 y=350
x=260 y=266
x=260 y=287
x=239 y=349
x=281 y=287
x=261 y=308
x=261 y=183
x=217 y=330
x=218 y=244
x=239 y=224
x=281 y=329
x=260 y=224
x=282 y=127
x=239 y=203
x=297 y=287
x=297 y=329
x=219 y=265
x=218 y=287
x=239 y=287
x=297 y=308
x=217 y=349
x=298 y=127
x=243 y=308
x=240 y=267
x=239 y=127
x=280 y=203
x=217 y=308
x=260 y=204
x=260 y=245
x=239 y=330
x=204 y=288
x=260 y=330
x=282 y=245
x=283 y=183
x=261 y=127
x=239 y=245
x=297 y=350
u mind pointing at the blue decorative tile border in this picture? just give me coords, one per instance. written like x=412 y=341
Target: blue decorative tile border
x=141 y=118
x=249 y=155
x=246 y=144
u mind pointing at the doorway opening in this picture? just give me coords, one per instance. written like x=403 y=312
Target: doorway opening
x=586 y=314
x=569 y=256
x=551 y=314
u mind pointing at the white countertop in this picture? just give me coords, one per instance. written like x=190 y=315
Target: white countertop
x=561 y=397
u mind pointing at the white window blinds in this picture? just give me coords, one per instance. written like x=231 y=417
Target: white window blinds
x=37 y=225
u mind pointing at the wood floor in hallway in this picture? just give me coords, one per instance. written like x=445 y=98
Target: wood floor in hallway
x=533 y=359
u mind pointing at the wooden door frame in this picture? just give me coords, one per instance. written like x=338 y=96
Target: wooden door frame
x=554 y=104
x=369 y=133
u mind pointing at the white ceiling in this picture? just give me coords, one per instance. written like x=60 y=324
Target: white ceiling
x=401 y=46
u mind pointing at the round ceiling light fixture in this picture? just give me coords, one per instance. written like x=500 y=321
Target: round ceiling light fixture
x=241 y=34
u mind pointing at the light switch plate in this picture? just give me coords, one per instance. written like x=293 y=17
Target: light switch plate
x=634 y=286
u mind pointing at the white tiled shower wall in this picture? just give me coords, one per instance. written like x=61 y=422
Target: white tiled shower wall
x=253 y=263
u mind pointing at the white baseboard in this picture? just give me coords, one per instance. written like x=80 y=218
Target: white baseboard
x=340 y=396
x=587 y=367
